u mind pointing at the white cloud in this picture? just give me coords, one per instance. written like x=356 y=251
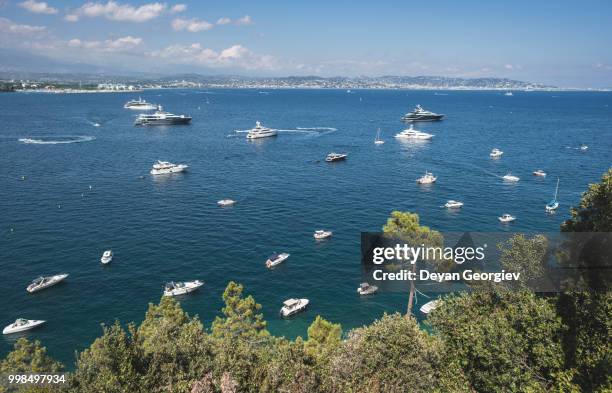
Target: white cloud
x=509 y=66
x=178 y=8
x=224 y=21
x=236 y=56
x=245 y=20
x=10 y=27
x=191 y=25
x=38 y=7
x=123 y=44
x=71 y=18
x=120 y=12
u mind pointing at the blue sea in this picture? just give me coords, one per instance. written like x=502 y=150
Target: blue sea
x=75 y=182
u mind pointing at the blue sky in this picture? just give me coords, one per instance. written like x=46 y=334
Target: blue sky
x=565 y=43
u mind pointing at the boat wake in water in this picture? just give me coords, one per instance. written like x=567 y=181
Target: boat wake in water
x=56 y=140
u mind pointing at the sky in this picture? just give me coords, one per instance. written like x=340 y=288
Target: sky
x=562 y=43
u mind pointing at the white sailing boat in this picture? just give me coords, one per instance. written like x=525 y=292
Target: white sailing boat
x=378 y=141
x=554 y=204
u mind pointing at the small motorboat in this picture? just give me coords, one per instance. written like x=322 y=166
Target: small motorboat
x=506 y=218
x=496 y=153
x=21 y=325
x=293 y=306
x=321 y=234
x=453 y=204
x=510 y=177
x=45 y=282
x=226 y=202
x=333 y=157
x=366 y=289
x=276 y=259
x=181 y=288
x=583 y=147
x=539 y=172
x=107 y=257
x=427 y=178
x=430 y=306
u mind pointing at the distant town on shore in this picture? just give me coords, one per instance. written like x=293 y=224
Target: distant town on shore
x=75 y=83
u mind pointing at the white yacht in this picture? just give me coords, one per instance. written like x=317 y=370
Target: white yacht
x=165 y=167
x=420 y=114
x=276 y=259
x=496 y=153
x=293 y=306
x=506 y=218
x=553 y=204
x=139 y=104
x=21 y=325
x=539 y=172
x=510 y=177
x=321 y=234
x=332 y=157
x=378 y=141
x=226 y=202
x=181 y=288
x=161 y=118
x=453 y=204
x=430 y=306
x=427 y=178
x=411 y=133
x=45 y=282
x=366 y=289
x=107 y=257
x=261 y=132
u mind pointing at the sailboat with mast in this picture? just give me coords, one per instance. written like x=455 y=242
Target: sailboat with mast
x=554 y=204
x=378 y=141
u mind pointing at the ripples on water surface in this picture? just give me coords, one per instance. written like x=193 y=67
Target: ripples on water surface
x=78 y=199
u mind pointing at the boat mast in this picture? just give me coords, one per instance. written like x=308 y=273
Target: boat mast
x=556 y=190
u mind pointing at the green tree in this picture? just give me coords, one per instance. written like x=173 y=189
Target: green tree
x=406 y=227
x=524 y=255
x=594 y=213
x=323 y=337
x=241 y=316
x=506 y=341
x=394 y=355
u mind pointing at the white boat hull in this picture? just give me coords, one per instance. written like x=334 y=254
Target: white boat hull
x=281 y=258
x=168 y=171
x=288 y=312
x=258 y=135
x=188 y=288
x=54 y=280
x=10 y=329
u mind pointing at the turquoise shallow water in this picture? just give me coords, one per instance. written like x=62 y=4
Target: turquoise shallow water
x=171 y=229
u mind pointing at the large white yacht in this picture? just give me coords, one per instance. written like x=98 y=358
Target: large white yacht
x=293 y=306
x=21 y=325
x=261 y=132
x=427 y=178
x=411 y=133
x=161 y=118
x=45 y=282
x=181 y=288
x=165 y=167
x=420 y=114
x=139 y=104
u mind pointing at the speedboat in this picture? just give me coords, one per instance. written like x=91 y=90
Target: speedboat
x=181 y=288
x=540 y=173
x=411 y=133
x=293 y=306
x=107 y=257
x=506 y=218
x=45 y=282
x=161 y=118
x=510 y=177
x=139 y=104
x=427 y=178
x=366 y=289
x=553 y=204
x=261 y=132
x=420 y=114
x=21 y=325
x=430 y=306
x=583 y=147
x=276 y=259
x=496 y=153
x=378 y=141
x=226 y=202
x=332 y=157
x=321 y=234
x=165 y=167
x=453 y=204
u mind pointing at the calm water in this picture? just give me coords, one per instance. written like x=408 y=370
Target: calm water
x=171 y=229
